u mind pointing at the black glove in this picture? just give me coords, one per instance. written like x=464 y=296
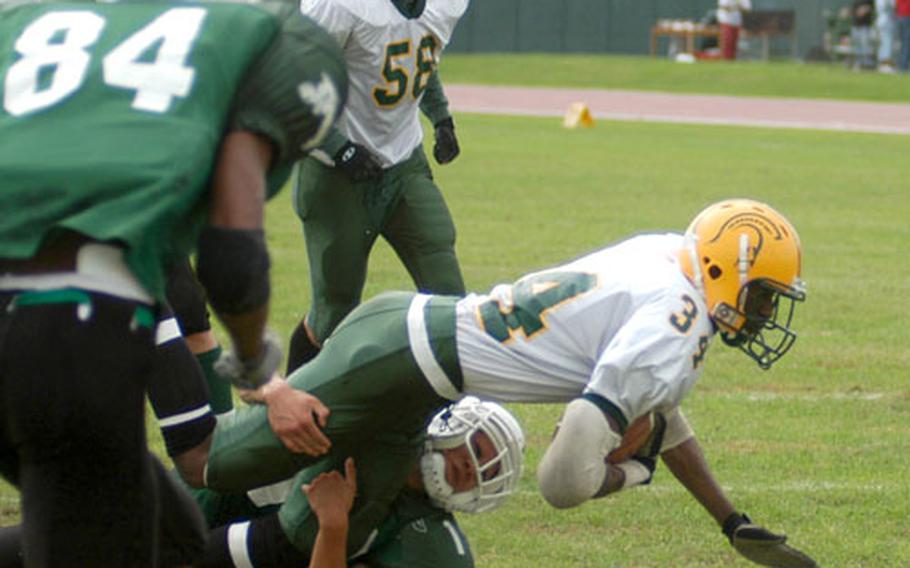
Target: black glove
x=648 y=452
x=358 y=163
x=761 y=546
x=446 y=148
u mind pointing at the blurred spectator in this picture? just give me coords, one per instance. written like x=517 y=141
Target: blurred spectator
x=837 y=36
x=863 y=13
x=709 y=42
x=884 y=23
x=730 y=18
x=902 y=13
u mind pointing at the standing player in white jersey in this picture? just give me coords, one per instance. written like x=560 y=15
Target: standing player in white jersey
x=370 y=177
x=619 y=334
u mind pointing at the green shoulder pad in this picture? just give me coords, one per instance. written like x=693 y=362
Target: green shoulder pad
x=295 y=91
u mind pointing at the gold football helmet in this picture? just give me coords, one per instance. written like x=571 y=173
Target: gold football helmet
x=745 y=257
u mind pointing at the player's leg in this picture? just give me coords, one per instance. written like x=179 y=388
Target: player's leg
x=181 y=528
x=729 y=35
x=261 y=540
x=302 y=347
x=573 y=468
x=256 y=542
x=11 y=547
x=187 y=298
x=339 y=235
x=74 y=377
x=11 y=536
x=179 y=396
x=421 y=229
x=366 y=375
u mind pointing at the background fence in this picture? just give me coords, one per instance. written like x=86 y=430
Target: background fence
x=608 y=26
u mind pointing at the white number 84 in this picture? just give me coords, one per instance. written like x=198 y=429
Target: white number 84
x=155 y=82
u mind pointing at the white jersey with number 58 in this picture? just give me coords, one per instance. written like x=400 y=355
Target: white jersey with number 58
x=390 y=58
x=623 y=323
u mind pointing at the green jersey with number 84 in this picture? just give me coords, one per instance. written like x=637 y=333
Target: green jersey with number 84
x=111 y=115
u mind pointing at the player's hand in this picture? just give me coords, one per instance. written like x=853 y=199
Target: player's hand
x=446 y=148
x=331 y=495
x=358 y=163
x=761 y=546
x=648 y=452
x=296 y=417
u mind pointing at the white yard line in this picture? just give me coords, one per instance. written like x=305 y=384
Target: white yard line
x=758 y=488
x=757 y=396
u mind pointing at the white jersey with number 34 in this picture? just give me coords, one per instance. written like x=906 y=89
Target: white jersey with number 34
x=623 y=322
x=390 y=59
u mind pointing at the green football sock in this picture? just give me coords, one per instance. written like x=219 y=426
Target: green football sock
x=220 y=396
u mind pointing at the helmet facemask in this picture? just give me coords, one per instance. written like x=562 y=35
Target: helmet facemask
x=496 y=478
x=766 y=314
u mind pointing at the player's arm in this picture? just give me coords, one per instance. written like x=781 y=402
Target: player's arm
x=687 y=463
x=233 y=262
x=331 y=497
x=233 y=259
x=435 y=106
x=758 y=544
x=239 y=190
x=355 y=160
x=283 y=107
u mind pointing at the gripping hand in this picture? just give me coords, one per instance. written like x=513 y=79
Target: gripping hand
x=250 y=374
x=648 y=452
x=761 y=546
x=446 y=148
x=358 y=163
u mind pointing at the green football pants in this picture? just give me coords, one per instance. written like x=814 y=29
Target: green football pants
x=366 y=375
x=342 y=220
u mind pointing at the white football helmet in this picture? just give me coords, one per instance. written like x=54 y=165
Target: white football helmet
x=497 y=478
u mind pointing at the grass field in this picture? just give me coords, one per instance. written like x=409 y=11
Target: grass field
x=775 y=79
x=816 y=447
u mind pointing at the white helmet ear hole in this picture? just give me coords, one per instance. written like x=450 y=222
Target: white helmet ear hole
x=433 y=474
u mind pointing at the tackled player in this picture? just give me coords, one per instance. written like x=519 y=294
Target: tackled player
x=617 y=334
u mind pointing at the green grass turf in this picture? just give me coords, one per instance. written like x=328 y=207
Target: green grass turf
x=746 y=78
x=815 y=447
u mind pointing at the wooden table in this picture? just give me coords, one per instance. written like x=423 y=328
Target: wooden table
x=685 y=30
